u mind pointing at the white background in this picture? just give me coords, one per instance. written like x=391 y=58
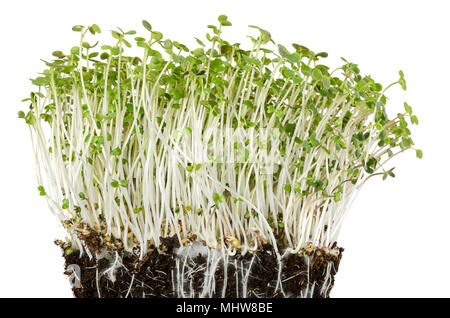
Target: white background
x=396 y=235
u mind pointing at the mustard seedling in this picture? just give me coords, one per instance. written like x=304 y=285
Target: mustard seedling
x=119 y=140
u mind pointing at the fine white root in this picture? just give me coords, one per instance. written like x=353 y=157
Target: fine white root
x=115 y=265
x=327 y=280
x=97 y=283
x=131 y=285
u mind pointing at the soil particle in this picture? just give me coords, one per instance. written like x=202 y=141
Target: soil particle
x=169 y=243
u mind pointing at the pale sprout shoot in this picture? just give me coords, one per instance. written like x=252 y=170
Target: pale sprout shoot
x=234 y=147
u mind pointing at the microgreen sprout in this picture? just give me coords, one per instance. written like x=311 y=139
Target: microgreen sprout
x=118 y=139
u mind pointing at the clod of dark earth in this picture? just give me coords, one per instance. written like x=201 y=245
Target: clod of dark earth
x=153 y=275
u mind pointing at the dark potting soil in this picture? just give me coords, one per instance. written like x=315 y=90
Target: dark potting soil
x=153 y=275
